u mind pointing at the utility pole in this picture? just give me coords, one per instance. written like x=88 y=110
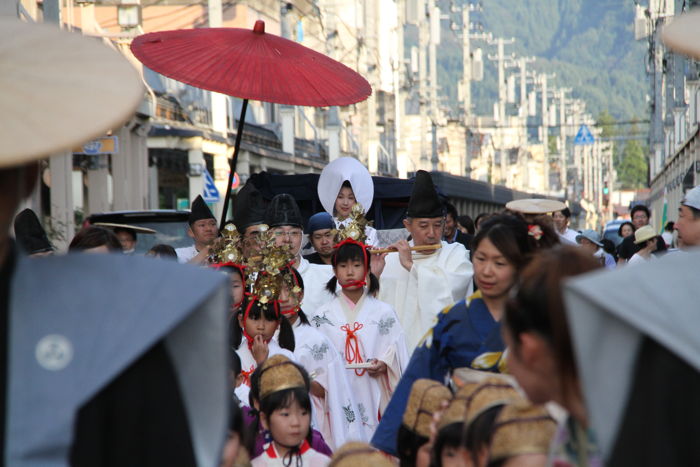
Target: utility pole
x=502 y=88
x=434 y=16
x=522 y=64
x=423 y=38
x=60 y=165
x=397 y=69
x=563 y=180
x=545 y=128
x=466 y=84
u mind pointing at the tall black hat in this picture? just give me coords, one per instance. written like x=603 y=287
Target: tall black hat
x=29 y=233
x=283 y=210
x=424 y=202
x=249 y=208
x=199 y=210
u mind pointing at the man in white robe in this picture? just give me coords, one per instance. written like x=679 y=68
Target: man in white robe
x=284 y=218
x=203 y=231
x=420 y=284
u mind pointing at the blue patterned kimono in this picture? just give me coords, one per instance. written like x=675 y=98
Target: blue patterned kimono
x=464 y=336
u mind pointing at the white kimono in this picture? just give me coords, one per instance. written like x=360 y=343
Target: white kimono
x=309 y=457
x=185 y=253
x=315 y=276
x=380 y=336
x=248 y=364
x=434 y=282
x=370 y=232
x=332 y=415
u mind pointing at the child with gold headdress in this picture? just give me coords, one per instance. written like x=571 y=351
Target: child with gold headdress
x=285 y=411
x=365 y=331
x=259 y=317
x=335 y=413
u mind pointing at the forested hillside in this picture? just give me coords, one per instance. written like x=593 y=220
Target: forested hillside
x=589 y=44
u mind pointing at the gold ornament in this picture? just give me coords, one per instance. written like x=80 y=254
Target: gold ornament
x=355 y=227
x=227 y=247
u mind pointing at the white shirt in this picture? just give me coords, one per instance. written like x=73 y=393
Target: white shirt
x=315 y=276
x=185 y=254
x=569 y=236
x=639 y=259
x=434 y=282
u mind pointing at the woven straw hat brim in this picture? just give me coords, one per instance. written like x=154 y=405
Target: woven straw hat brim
x=682 y=34
x=59 y=90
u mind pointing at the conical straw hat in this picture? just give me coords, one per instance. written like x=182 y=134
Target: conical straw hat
x=59 y=89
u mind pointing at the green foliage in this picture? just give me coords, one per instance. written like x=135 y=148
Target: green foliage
x=589 y=44
x=632 y=169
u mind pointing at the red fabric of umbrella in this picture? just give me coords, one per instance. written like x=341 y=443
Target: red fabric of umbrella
x=251 y=64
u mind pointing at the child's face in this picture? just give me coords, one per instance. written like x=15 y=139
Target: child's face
x=259 y=327
x=451 y=457
x=236 y=288
x=289 y=426
x=349 y=271
x=287 y=300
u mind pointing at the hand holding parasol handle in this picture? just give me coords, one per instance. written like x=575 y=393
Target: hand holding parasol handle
x=437 y=246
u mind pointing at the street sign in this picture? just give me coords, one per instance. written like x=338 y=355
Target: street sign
x=210 y=193
x=99 y=146
x=584 y=136
x=236 y=181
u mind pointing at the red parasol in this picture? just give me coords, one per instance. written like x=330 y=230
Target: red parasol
x=250 y=64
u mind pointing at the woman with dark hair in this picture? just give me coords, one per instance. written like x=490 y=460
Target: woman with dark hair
x=468 y=334
x=95 y=240
x=335 y=411
x=626 y=229
x=162 y=251
x=540 y=354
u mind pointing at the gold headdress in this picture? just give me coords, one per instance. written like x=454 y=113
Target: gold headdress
x=267 y=267
x=357 y=454
x=227 y=247
x=355 y=227
x=279 y=373
x=521 y=429
x=489 y=393
x=424 y=400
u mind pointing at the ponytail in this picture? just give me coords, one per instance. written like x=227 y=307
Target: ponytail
x=286 y=334
x=332 y=285
x=235 y=333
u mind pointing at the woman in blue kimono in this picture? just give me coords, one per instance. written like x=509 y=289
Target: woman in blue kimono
x=468 y=334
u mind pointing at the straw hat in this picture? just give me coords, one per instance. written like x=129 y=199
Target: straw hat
x=357 y=454
x=279 y=373
x=59 y=89
x=643 y=234
x=535 y=205
x=459 y=404
x=424 y=400
x=490 y=393
x=682 y=34
x=521 y=429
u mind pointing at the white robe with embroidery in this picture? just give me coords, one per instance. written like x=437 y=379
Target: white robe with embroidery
x=380 y=336
x=332 y=415
x=434 y=282
x=309 y=457
x=248 y=364
x=315 y=276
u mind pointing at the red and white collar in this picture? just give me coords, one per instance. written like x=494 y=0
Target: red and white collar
x=272 y=452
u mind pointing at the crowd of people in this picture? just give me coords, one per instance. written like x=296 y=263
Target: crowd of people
x=502 y=342
x=441 y=349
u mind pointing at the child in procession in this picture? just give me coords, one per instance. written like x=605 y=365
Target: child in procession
x=365 y=331
x=285 y=412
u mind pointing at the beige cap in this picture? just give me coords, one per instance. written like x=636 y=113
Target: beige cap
x=521 y=429
x=59 y=89
x=643 y=234
x=357 y=454
x=425 y=399
x=682 y=34
x=535 y=205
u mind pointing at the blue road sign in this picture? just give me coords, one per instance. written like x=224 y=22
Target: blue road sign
x=584 y=136
x=211 y=193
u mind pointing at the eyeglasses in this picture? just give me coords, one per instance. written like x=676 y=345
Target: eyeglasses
x=290 y=234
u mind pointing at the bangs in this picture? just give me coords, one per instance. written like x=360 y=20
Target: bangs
x=348 y=252
x=258 y=310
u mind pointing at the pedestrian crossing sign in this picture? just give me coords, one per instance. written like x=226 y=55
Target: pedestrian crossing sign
x=210 y=193
x=584 y=136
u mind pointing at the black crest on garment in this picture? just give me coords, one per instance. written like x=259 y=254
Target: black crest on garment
x=424 y=202
x=29 y=233
x=199 y=210
x=283 y=210
x=249 y=208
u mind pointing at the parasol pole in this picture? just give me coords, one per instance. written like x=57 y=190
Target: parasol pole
x=234 y=161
